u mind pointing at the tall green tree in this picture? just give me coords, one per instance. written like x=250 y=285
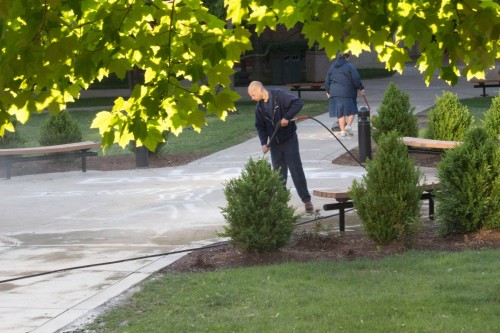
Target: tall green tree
x=52 y=49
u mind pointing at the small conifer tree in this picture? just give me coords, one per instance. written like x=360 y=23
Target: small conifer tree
x=395 y=113
x=387 y=199
x=448 y=119
x=259 y=217
x=469 y=198
x=12 y=139
x=491 y=120
x=60 y=129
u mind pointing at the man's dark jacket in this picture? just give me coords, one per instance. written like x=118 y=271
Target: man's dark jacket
x=280 y=105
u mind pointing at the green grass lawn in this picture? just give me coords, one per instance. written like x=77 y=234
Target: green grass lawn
x=215 y=136
x=477 y=107
x=414 y=292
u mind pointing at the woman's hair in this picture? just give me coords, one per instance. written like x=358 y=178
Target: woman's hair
x=343 y=55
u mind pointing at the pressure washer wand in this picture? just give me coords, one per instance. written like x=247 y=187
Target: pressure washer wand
x=276 y=129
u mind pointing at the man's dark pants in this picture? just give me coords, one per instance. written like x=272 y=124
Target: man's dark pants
x=286 y=156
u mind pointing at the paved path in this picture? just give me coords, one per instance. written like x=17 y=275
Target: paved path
x=54 y=221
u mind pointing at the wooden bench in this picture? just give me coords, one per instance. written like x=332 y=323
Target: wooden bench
x=486 y=83
x=344 y=200
x=306 y=86
x=77 y=149
x=428 y=146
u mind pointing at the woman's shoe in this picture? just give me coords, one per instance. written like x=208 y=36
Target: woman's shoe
x=348 y=129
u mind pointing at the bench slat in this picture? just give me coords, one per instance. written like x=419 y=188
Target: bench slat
x=482 y=81
x=429 y=143
x=332 y=193
x=306 y=84
x=343 y=194
x=50 y=149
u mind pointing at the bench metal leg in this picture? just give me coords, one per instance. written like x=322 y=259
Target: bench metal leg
x=84 y=163
x=7 y=166
x=427 y=195
x=431 y=207
x=341 y=219
x=341 y=205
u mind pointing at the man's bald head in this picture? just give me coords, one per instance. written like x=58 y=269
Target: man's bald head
x=257 y=91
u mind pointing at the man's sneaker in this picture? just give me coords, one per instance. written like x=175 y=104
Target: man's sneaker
x=342 y=133
x=348 y=129
x=309 y=207
x=335 y=127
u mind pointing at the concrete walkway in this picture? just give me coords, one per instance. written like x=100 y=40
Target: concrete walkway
x=55 y=221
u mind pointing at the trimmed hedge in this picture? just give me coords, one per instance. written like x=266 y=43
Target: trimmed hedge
x=469 y=198
x=259 y=217
x=395 y=113
x=387 y=199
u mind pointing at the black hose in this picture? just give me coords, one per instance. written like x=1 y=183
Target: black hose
x=141 y=257
x=326 y=127
x=113 y=262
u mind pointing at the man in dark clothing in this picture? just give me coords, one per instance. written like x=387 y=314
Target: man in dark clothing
x=342 y=83
x=275 y=108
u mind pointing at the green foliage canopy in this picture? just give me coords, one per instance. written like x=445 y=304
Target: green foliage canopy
x=52 y=49
x=465 y=31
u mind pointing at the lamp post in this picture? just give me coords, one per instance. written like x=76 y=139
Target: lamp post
x=364 y=134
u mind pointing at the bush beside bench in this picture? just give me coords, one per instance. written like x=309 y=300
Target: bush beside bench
x=77 y=149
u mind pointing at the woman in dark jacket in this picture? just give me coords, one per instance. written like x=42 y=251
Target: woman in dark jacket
x=342 y=83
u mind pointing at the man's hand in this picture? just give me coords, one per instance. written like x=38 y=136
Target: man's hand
x=265 y=149
x=284 y=122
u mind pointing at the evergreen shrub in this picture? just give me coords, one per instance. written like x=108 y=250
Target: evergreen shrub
x=491 y=120
x=395 y=113
x=257 y=212
x=60 y=129
x=12 y=139
x=448 y=119
x=387 y=198
x=469 y=198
